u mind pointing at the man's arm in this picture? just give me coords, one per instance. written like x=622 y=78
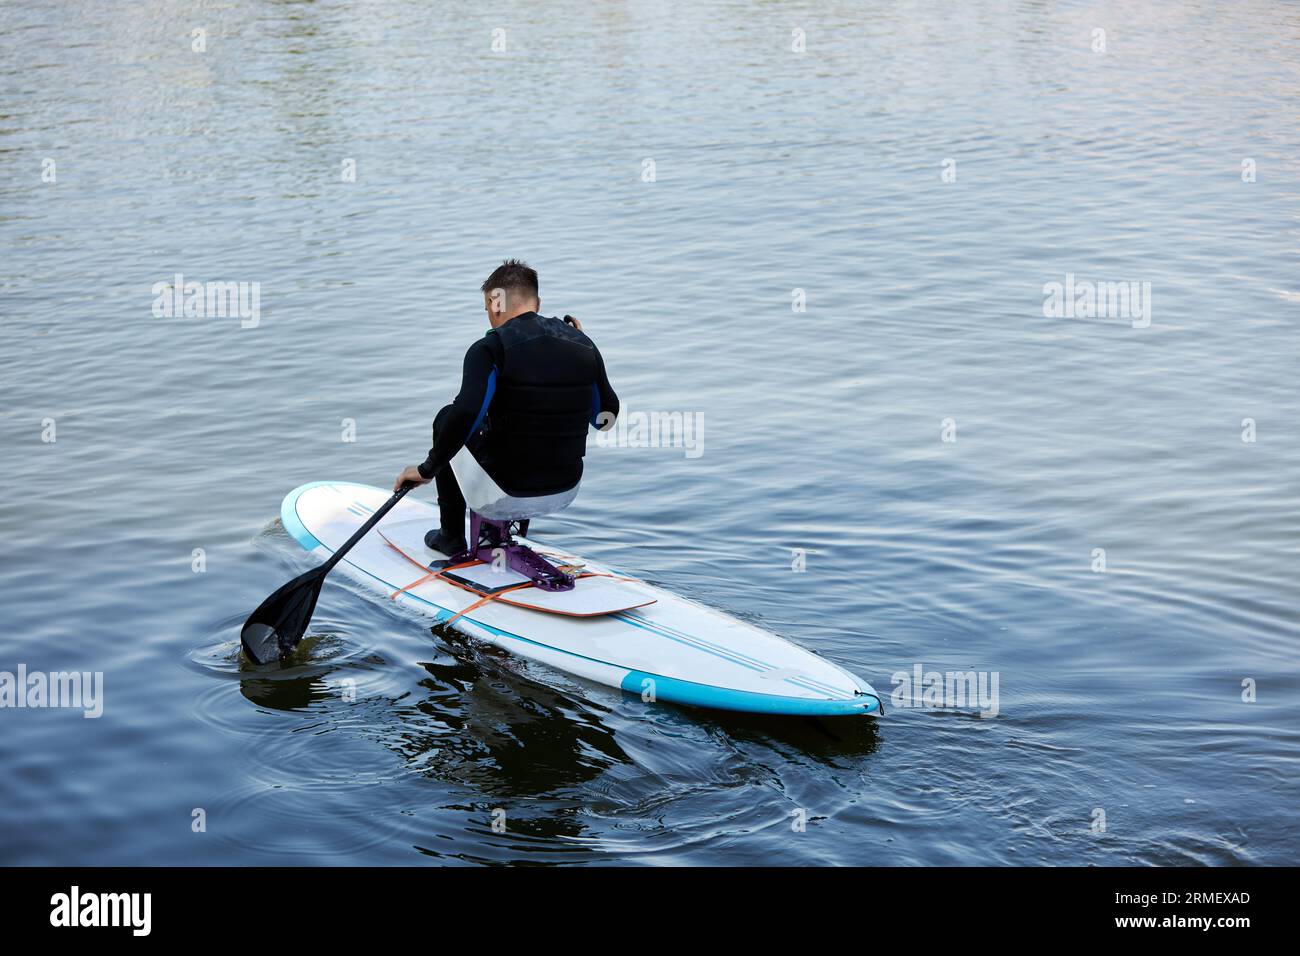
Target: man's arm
x=603 y=400
x=604 y=403
x=464 y=415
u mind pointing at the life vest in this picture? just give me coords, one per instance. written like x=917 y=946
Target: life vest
x=543 y=401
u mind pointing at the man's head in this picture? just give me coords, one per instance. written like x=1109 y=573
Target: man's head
x=510 y=290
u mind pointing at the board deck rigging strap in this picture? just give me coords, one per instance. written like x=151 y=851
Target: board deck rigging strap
x=441 y=574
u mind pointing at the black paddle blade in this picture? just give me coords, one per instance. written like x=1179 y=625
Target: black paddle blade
x=278 y=624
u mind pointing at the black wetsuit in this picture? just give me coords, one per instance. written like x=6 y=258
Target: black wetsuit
x=528 y=392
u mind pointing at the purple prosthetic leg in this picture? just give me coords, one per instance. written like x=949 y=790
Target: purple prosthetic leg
x=488 y=540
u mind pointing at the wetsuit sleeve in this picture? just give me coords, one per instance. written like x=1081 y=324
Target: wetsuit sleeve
x=459 y=420
x=603 y=399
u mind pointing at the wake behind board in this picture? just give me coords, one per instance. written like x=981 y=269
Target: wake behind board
x=610 y=629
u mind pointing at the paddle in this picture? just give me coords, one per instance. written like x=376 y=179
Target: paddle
x=278 y=624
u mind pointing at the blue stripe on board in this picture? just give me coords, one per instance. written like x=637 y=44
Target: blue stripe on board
x=704 y=695
x=289 y=515
x=804 y=681
x=682 y=634
x=692 y=642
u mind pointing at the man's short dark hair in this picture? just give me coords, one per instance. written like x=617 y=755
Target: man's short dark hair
x=515 y=277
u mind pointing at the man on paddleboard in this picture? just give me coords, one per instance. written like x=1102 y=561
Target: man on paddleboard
x=529 y=389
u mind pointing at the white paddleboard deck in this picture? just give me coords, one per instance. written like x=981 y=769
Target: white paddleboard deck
x=663 y=647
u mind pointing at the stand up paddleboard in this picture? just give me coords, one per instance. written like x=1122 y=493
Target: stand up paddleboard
x=607 y=628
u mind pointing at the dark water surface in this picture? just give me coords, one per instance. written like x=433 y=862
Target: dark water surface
x=1120 y=692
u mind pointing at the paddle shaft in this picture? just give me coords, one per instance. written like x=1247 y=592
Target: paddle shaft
x=337 y=556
